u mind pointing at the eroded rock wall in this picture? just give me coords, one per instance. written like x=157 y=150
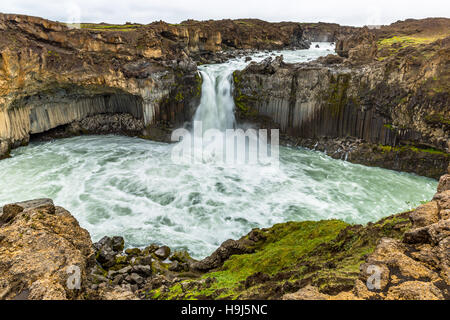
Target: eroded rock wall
x=53 y=75
x=394 y=105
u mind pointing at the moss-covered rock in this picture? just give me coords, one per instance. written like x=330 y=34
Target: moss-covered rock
x=288 y=256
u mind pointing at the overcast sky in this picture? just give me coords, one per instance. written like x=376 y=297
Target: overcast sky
x=348 y=12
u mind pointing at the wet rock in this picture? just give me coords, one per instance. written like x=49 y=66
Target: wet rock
x=142 y=270
x=162 y=252
x=99 y=278
x=106 y=257
x=444 y=183
x=247 y=59
x=114 y=244
x=4 y=149
x=180 y=256
x=118 y=244
x=125 y=270
x=227 y=249
x=135 y=278
x=147 y=260
x=176 y=266
x=150 y=249
x=118 y=279
x=133 y=252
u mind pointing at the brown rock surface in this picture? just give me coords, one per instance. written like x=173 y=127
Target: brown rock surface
x=38 y=248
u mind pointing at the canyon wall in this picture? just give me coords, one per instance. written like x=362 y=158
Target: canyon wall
x=375 y=104
x=52 y=75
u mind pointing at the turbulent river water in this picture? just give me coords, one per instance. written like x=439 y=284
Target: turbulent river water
x=130 y=187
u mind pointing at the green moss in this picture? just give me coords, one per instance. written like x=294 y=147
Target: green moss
x=385 y=148
x=438 y=118
x=242 y=101
x=179 y=97
x=282 y=248
x=109 y=27
x=336 y=97
x=327 y=254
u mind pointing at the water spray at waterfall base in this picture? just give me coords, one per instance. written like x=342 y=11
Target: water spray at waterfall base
x=230 y=147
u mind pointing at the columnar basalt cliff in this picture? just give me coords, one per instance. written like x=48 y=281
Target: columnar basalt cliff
x=44 y=254
x=52 y=75
x=383 y=101
x=326 y=32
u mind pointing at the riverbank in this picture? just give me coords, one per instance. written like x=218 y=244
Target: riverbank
x=41 y=244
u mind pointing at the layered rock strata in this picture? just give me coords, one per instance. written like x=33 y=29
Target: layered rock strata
x=52 y=75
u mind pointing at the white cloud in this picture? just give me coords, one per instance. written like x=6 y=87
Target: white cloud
x=350 y=12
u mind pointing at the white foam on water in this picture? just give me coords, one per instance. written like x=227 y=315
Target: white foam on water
x=127 y=186
x=130 y=187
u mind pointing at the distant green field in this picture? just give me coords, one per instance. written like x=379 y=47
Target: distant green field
x=106 y=27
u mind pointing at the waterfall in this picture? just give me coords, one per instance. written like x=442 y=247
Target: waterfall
x=216 y=109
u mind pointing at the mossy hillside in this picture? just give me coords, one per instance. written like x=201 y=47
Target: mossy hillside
x=391 y=46
x=106 y=27
x=290 y=255
x=408 y=148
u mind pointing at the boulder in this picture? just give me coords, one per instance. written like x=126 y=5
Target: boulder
x=133 y=252
x=9 y=212
x=218 y=257
x=44 y=254
x=162 y=252
x=425 y=214
x=444 y=183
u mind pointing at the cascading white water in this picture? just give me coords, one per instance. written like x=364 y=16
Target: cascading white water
x=216 y=105
x=130 y=187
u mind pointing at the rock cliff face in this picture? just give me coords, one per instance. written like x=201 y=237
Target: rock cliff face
x=41 y=247
x=44 y=254
x=52 y=75
x=386 y=96
x=326 y=32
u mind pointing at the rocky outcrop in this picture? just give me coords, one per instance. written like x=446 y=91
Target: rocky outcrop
x=44 y=254
x=325 y=32
x=390 y=106
x=401 y=257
